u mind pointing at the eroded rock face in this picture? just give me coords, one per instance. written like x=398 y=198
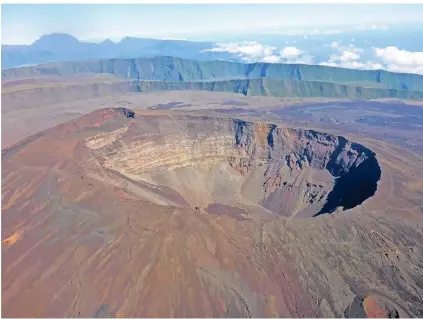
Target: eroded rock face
x=292 y=172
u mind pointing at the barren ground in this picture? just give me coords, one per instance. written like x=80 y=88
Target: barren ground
x=109 y=215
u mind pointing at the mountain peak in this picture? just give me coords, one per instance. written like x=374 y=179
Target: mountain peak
x=107 y=42
x=53 y=40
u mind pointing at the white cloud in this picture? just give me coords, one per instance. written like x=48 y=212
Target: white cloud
x=334 y=44
x=390 y=58
x=289 y=52
x=345 y=54
x=405 y=69
x=350 y=57
x=397 y=60
x=402 y=57
x=272 y=59
x=253 y=51
x=293 y=55
x=248 y=51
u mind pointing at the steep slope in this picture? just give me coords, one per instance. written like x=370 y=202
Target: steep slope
x=282 y=88
x=44 y=93
x=176 y=69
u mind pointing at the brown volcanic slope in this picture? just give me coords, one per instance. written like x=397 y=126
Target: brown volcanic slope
x=167 y=214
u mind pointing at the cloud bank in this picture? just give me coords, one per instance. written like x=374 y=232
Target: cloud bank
x=389 y=58
x=346 y=56
x=253 y=51
x=397 y=60
x=247 y=51
x=349 y=57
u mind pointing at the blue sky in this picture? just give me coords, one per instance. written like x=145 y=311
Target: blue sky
x=23 y=24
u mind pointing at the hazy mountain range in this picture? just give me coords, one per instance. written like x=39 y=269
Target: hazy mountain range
x=64 y=47
x=393 y=49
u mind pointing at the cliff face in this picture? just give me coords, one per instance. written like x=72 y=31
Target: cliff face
x=257 y=163
x=53 y=94
x=283 y=88
x=176 y=69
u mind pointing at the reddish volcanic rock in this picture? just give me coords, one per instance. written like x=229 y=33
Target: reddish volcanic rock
x=377 y=308
x=107 y=216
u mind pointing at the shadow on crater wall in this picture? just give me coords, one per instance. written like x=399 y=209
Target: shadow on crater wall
x=272 y=155
x=353 y=187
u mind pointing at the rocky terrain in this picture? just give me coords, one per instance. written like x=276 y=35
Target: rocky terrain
x=164 y=187
x=169 y=213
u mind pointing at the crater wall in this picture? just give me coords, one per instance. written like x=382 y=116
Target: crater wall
x=208 y=160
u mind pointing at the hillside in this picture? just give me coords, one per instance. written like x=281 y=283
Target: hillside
x=142 y=213
x=176 y=69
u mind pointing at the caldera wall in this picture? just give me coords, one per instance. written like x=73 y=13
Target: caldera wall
x=208 y=160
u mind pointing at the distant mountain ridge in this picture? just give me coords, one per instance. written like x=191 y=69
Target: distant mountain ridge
x=56 y=41
x=176 y=69
x=58 y=47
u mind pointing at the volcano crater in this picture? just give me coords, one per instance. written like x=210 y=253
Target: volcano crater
x=232 y=166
